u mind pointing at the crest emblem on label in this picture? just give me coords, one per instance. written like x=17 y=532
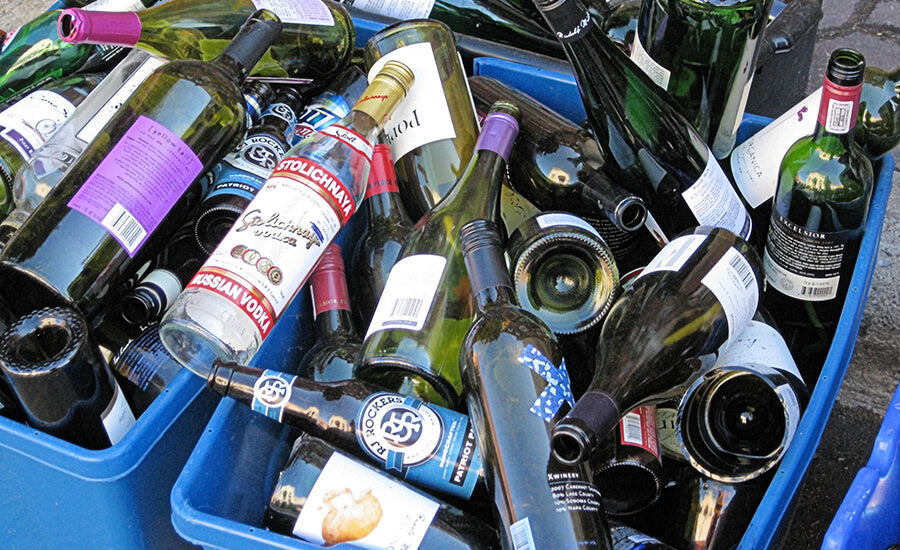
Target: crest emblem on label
x=271 y=393
x=399 y=431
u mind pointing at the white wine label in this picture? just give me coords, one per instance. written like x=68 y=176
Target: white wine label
x=755 y=163
x=735 y=286
x=273 y=247
x=763 y=344
x=115 y=5
x=423 y=116
x=668 y=436
x=639 y=428
x=396 y=9
x=408 y=293
x=561 y=218
x=673 y=255
x=351 y=139
x=714 y=201
x=301 y=12
x=272 y=393
x=118 y=417
x=802 y=263
x=558 y=389
x=135 y=186
x=840 y=116
x=353 y=503
x=657 y=73
x=165 y=284
x=522 y=537
x=93 y=126
x=29 y=122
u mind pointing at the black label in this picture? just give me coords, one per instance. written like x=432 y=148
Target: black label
x=568 y=20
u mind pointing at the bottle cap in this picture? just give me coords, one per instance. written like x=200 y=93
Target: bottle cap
x=386 y=90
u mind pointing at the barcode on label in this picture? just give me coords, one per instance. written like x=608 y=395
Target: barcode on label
x=816 y=291
x=406 y=308
x=631 y=429
x=743 y=270
x=124 y=227
x=521 y=535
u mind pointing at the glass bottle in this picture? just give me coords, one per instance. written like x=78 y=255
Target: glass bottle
x=31 y=121
x=670 y=324
x=625 y=537
x=433 y=132
x=412 y=344
x=232 y=303
x=338 y=348
x=49 y=162
x=315 y=44
x=257 y=96
x=703 y=52
x=878 y=123
x=144 y=368
x=651 y=149
x=243 y=171
x=106 y=218
x=378 y=249
x=818 y=215
x=325 y=497
x=517 y=387
x=331 y=105
x=61 y=382
x=428 y=446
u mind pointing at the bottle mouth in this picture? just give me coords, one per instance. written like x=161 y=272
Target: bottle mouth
x=846 y=67
x=631 y=214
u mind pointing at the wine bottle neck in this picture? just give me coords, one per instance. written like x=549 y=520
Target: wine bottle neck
x=485 y=264
x=334 y=323
x=250 y=44
x=79 y=26
x=386 y=206
x=837 y=111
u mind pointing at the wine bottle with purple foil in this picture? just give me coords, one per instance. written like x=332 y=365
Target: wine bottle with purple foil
x=650 y=148
x=378 y=249
x=135 y=183
x=413 y=342
x=63 y=385
x=428 y=446
x=325 y=497
x=517 y=388
x=244 y=171
x=338 y=348
x=702 y=289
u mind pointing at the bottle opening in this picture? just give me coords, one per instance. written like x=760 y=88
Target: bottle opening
x=567 y=447
x=633 y=216
x=42 y=344
x=66 y=25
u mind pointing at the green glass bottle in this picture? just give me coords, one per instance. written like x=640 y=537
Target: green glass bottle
x=703 y=52
x=878 y=123
x=131 y=188
x=413 y=341
x=517 y=388
x=818 y=215
x=315 y=44
x=31 y=121
x=651 y=148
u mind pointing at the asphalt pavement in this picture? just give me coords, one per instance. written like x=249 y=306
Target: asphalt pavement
x=873 y=27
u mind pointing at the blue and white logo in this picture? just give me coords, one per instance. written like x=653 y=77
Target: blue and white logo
x=558 y=389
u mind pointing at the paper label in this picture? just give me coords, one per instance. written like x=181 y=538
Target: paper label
x=115 y=5
x=423 y=116
x=301 y=12
x=330 y=108
x=395 y=9
x=657 y=73
x=408 y=293
x=135 y=186
x=756 y=162
x=550 y=220
x=118 y=417
x=353 y=503
x=29 y=122
x=715 y=203
x=522 y=537
x=272 y=393
x=639 y=429
x=93 y=126
x=763 y=344
x=558 y=389
x=244 y=171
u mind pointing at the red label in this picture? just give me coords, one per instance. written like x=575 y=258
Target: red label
x=639 y=428
x=330 y=187
x=833 y=92
x=382 y=175
x=329 y=291
x=252 y=303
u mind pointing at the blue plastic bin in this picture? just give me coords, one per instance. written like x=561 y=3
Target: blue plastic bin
x=55 y=494
x=220 y=497
x=869 y=516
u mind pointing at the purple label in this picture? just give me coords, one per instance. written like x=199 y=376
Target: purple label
x=498 y=134
x=138 y=182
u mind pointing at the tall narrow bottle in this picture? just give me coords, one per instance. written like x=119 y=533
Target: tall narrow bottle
x=517 y=388
x=429 y=446
x=315 y=44
x=378 y=249
x=657 y=153
x=433 y=132
x=326 y=498
x=232 y=303
x=338 y=348
x=704 y=54
x=413 y=341
x=131 y=188
x=669 y=325
x=818 y=215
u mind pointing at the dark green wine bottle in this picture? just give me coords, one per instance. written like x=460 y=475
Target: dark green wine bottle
x=670 y=324
x=818 y=215
x=657 y=153
x=413 y=341
x=129 y=191
x=878 y=123
x=517 y=388
x=325 y=497
x=704 y=54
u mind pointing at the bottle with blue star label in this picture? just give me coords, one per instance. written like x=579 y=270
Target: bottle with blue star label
x=517 y=388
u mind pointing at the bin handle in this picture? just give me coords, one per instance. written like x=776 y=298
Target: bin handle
x=783 y=32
